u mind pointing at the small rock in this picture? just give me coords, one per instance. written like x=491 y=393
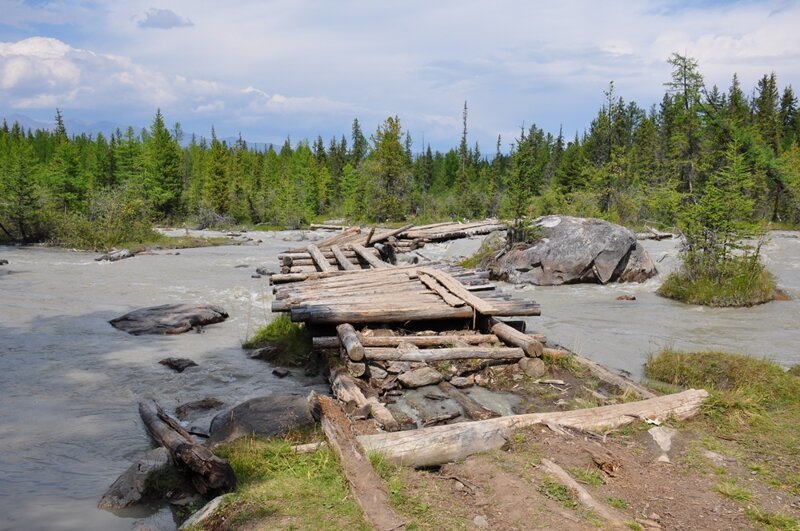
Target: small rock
x=115 y=256
x=268 y=353
x=204 y=513
x=626 y=298
x=462 y=381
x=420 y=377
x=263 y=271
x=204 y=404
x=178 y=364
x=255 y=276
x=397 y=367
x=3 y=262
x=377 y=372
x=714 y=456
x=280 y=372
x=533 y=367
x=481 y=522
x=240 y=266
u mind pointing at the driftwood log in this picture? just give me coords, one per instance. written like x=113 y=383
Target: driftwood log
x=443 y=444
x=441 y=354
x=418 y=341
x=208 y=472
x=346 y=390
x=368 y=488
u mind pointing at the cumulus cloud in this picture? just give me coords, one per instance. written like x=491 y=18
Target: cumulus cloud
x=163 y=19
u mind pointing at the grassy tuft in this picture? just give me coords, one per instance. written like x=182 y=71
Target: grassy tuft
x=773 y=520
x=557 y=492
x=739 y=281
x=754 y=402
x=487 y=250
x=292 y=341
x=586 y=476
x=618 y=503
x=730 y=489
x=279 y=488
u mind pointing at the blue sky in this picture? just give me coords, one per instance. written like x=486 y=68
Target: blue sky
x=269 y=69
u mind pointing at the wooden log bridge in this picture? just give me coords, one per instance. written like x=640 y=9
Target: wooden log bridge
x=394 y=295
x=353 y=248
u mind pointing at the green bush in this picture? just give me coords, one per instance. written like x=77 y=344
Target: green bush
x=736 y=281
x=291 y=340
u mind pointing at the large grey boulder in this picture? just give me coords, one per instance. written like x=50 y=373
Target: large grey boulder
x=132 y=486
x=576 y=250
x=169 y=318
x=266 y=416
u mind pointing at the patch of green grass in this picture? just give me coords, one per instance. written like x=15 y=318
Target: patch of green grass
x=587 y=476
x=738 y=281
x=730 y=489
x=159 y=241
x=773 y=520
x=635 y=526
x=794 y=370
x=557 y=492
x=292 y=341
x=618 y=503
x=280 y=488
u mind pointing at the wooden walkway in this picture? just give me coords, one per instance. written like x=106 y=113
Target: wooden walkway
x=353 y=248
x=396 y=295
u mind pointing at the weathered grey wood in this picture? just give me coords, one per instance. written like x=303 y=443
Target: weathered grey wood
x=342 y=259
x=440 y=354
x=368 y=488
x=346 y=390
x=350 y=341
x=435 y=286
x=614 y=519
x=356 y=369
x=372 y=315
x=531 y=346
x=368 y=257
x=603 y=374
x=420 y=341
x=209 y=472
x=472 y=409
x=442 y=444
x=454 y=287
x=387 y=235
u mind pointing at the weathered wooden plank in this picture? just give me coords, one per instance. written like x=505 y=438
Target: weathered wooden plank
x=368 y=488
x=327 y=315
x=387 y=235
x=350 y=341
x=420 y=341
x=531 y=346
x=442 y=444
x=369 y=257
x=342 y=259
x=434 y=285
x=454 y=287
x=440 y=354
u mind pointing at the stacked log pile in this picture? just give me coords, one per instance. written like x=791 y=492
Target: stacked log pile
x=396 y=294
x=356 y=248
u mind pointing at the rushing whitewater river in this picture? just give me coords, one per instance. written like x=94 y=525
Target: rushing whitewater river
x=69 y=382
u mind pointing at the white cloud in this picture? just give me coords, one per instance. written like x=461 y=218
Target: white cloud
x=162 y=19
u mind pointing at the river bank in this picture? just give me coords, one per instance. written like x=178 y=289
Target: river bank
x=77 y=379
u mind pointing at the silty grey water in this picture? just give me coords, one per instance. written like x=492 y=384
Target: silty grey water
x=69 y=382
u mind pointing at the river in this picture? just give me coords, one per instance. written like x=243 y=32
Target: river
x=69 y=382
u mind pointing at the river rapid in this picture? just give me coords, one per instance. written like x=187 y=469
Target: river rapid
x=69 y=382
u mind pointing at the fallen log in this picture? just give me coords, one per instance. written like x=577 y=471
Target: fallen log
x=440 y=354
x=622 y=383
x=350 y=341
x=208 y=472
x=346 y=390
x=368 y=257
x=614 y=519
x=387 y=235
x=419 y=341
x=368 y=488
x=443 y=444
x=531 y=346
x=346 y=264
